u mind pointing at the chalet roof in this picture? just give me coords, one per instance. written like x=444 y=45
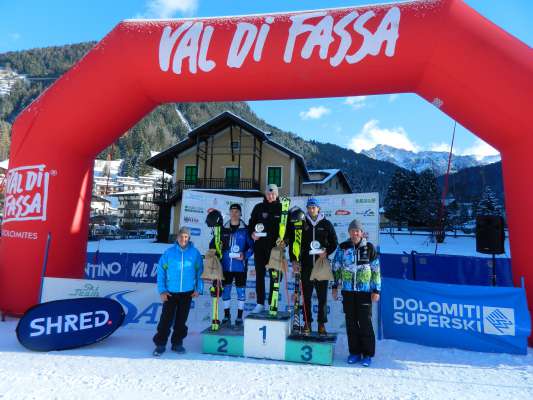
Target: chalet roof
x=329 y=174
x=164 y=161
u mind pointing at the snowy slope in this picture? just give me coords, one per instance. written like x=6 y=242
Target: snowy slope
x=122 y=367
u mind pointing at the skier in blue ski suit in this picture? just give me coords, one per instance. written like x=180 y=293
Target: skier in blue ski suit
x=235 y=239
x=178 y=282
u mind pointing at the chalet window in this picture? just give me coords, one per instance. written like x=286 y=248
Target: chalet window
x=233 y=177
x=235 y=145
x=191 y=174
x=274 y=176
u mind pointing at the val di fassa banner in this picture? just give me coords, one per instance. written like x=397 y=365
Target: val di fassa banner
x=480 y=318
x=339 y=209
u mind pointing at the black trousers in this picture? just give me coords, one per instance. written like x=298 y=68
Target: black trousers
x=357 y=308
x=175 y=309
x=239 y=277
x=261 y=260
x=321 y=288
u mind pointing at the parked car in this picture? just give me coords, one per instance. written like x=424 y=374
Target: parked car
x=469 y=226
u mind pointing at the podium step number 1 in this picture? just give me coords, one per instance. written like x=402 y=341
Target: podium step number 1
x=265 y=337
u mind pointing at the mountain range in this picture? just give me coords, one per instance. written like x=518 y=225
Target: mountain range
x=437 y=161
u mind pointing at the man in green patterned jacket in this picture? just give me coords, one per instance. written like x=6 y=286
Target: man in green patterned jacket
x=356 y=269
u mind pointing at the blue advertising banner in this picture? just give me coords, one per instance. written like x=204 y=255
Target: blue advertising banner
x=489 y=319
x=71 y=323
x=442 y=268
x=125 y=267
x=132 y=267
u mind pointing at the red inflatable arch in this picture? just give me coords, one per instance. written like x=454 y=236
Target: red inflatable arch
x=440 y=49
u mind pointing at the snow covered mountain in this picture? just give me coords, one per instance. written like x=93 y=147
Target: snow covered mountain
x=434 y=160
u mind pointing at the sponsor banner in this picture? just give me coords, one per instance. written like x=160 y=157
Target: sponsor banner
x=67 y=324
x=339 y=209
x=130 y=267
x=445 y=268
x=195 y=206
x=490 y=319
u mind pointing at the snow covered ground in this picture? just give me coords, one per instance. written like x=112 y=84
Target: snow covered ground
x=396 y=244
x=122 y=367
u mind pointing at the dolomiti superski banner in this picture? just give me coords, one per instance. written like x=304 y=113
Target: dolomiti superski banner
x=479 y=318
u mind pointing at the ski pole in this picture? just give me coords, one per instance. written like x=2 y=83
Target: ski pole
x=45 y=261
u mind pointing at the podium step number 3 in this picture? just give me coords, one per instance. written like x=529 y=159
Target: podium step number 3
x=309 y=352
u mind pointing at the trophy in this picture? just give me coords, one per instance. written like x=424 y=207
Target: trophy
x=235 y=251
x=315 y=248
x=259 y=230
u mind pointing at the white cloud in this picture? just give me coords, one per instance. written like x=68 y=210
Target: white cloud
x=393 y=97
x=480 y=149
x=314 y=113
x=371 y=135
x=356 y=102
x=168 y=8
x=441 y=147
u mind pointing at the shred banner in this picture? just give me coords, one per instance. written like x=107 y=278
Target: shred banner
x=71 y=323
x=442 y=50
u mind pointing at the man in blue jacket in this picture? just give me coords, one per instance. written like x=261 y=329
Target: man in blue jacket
x=237 y=247
x=178 y=282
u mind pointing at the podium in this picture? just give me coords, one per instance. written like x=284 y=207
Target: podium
x=311 y=349
x=270 y=337
x=265 y=336
x=226 y=342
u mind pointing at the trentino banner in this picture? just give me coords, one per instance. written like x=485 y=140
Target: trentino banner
x=480 y=318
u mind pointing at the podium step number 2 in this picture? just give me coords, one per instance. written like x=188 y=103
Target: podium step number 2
x=223 y=342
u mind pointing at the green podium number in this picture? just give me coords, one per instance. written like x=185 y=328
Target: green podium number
x=311 y=352
x=222 y=342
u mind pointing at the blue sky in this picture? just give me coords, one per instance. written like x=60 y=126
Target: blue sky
x=404 y=120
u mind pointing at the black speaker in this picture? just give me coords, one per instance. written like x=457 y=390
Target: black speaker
x=490 y=235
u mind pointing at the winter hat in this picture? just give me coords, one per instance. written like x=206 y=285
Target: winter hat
x=236 y=206
x=355 y=224
x=272 y=188
x=184 y=230
x=313 y=202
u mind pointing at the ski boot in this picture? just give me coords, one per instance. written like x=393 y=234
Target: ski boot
x=353 y=358
x=178 y=348
x=158 y=351
x=322 y=330
x=226 y=322
x=238 y=323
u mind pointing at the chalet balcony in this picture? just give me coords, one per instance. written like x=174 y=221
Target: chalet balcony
x=172 y=192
